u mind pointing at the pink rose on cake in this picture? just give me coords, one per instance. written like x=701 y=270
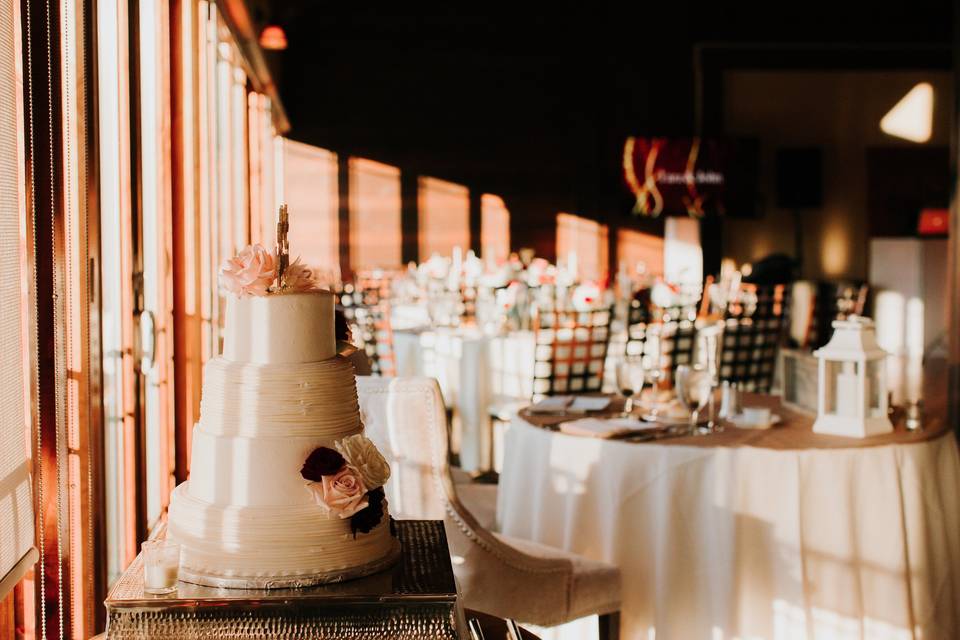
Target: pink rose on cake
x=250 y=273
x=343 y=494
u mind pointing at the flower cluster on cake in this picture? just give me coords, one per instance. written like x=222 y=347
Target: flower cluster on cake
x=284 y=488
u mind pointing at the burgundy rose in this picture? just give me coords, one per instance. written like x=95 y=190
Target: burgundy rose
x=366 y=519
x=322 y=461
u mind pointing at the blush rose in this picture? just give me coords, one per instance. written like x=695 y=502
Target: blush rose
x=250 y=272
x=344 y=494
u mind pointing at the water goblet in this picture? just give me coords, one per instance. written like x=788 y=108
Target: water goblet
x=694 y=387
x=630 y=380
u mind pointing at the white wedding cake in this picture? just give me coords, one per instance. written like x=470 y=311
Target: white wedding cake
x=284 y=489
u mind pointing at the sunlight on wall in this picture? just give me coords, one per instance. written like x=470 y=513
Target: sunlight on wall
x=375 y=204
x=834 y=252
x=444 y=214
x=682 y=255
x=494 y=228
x=310 y=191
x=582 y=244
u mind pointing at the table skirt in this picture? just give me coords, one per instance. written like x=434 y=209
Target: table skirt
x=747 y=542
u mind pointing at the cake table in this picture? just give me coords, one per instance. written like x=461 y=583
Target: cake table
x=415 y=600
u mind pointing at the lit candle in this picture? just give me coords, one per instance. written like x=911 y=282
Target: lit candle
x=161 y=566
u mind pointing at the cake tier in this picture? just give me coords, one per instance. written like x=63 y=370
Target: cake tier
x=243 y=471
x=271 y=546
x=307 y=399
x=280 y=328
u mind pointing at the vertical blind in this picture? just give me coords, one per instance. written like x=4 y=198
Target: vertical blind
x=375 y=203
x=582 y=245
x=494 y=229
x=310 y=190
x=444 y=214
x=17 y=553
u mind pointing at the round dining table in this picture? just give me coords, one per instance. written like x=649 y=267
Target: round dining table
x=780 y=533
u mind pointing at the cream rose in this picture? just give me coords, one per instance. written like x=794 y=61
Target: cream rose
x=343 y=493
x=298 y=277
x=250 y=272
x=361 y=454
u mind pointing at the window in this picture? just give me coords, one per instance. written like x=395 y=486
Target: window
x=639 y=253
x=154 y=286
x=375 y=202
x=494 y=229
x=310 y=191
x=444 y=213
x=17 y=554
x=582 y=244
x=117 y=341
x=263 y=200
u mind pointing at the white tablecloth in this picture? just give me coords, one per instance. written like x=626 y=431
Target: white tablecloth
x=473 y=370
x=746 y=542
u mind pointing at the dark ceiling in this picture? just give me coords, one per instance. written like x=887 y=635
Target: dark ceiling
x=534 y=104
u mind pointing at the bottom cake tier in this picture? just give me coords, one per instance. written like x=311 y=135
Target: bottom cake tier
x=272 y=547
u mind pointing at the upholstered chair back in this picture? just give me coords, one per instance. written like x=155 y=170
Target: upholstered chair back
x=406 y=419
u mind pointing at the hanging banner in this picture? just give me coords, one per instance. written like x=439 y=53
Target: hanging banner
x=692 y=176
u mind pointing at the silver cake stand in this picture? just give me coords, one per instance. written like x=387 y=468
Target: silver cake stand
x=414 y=599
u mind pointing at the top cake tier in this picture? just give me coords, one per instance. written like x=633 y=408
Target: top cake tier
x=280 y=328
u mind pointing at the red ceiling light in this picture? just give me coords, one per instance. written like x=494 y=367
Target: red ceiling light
x=273 y=38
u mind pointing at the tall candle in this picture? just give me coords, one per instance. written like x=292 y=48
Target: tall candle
x=847 y=394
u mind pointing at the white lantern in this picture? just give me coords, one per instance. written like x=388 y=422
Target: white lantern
x=852 y=382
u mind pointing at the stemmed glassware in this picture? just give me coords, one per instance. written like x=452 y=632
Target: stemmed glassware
x=630 y=379
x=711 y=351
x=694 y=386
x=652 y=366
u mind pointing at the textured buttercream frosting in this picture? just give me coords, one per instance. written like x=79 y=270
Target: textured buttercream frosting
x=302 y=399
x=278 y=392
x=268 y=542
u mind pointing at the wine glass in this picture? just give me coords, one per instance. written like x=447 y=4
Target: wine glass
x=711 y=343
x=630 y=379
x=694 y=387
x=652 y=366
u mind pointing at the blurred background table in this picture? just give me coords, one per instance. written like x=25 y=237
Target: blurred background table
x=473 y=369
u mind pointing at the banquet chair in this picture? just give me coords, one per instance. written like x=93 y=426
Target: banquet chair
x=752 y=338
x=497 y=574
x=673 y=343
x=570 y=351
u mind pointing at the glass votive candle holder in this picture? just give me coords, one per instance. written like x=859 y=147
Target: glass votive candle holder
x=161 y=566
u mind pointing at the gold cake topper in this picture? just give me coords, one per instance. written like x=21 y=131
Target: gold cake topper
x=283 y=244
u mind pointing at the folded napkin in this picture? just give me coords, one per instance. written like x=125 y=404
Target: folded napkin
x=599 y=428
x=552 y=404
x=570 y=404
x=582 y=404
